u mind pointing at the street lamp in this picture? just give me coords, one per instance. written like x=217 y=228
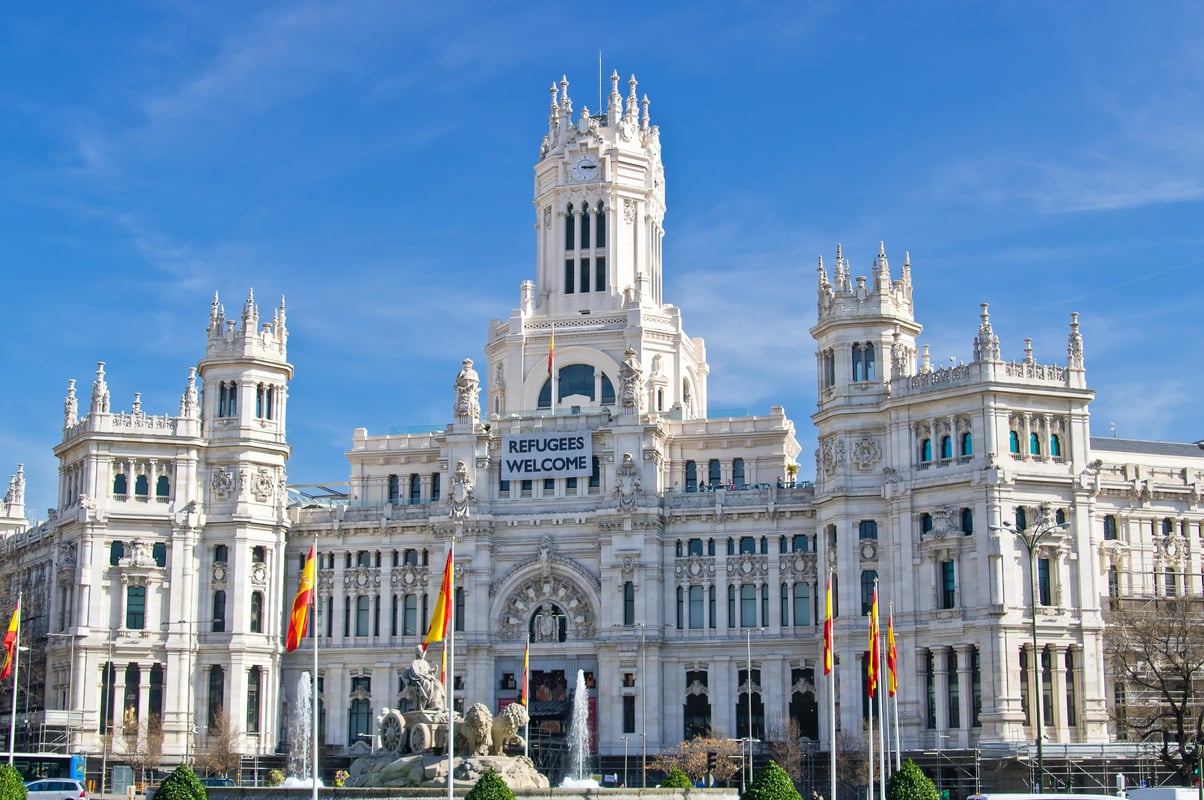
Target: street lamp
x=643 y=708
x=748 y=657
x=1031 y=538
x=624 y=738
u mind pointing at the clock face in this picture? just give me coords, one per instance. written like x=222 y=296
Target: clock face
x=585 y=169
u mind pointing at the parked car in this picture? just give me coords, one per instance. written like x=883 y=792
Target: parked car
x=208 y=782
x=56 y=789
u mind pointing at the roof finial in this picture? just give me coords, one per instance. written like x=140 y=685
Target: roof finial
x=644 y=118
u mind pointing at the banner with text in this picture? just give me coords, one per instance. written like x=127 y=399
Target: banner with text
x=560 y=454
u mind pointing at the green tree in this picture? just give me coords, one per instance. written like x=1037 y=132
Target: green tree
x=910 y=783
x=181 y=784
x=676 y=779
x=771 y=783
x=12 y=787
x=490 y=786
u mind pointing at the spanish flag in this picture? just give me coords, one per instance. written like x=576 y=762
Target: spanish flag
x=443 y=608
x=872 y=664
x=299 y=618
x=552 y=351
x=526 y=667
x=828 y=628
x=10 y=642
x=892 y=678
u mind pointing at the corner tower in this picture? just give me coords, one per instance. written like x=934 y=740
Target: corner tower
x=599 y=199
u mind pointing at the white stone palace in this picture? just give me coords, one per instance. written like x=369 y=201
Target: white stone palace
x=678 y=557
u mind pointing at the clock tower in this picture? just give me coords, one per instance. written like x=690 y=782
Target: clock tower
x=599 y=208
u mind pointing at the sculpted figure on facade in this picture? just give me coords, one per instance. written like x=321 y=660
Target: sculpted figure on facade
x=628 y=479
x=468 y=389
x=630 y=381
x=546 y=624
x=461 y=492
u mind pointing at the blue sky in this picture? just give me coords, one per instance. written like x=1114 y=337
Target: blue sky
x=372 y=162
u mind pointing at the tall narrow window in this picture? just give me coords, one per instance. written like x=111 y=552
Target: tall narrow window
x=975 y=689
x=802 y=604
x=116 y=553
x=948 y=585
x=600 y=227
x=1110 y=528
x=696 y=608
x=141 y=486
x=583 y=272
x=930 y=692
x=415 y=489
x=219 y=611
x=691 y=476
x=954 y=698
x=870 y=365
x=926 y=451
x=738 y=472
x=867 y=529
x=748 y=606
x=1072 y=717
x=570 y=275
x=253 y=681
x=394 y=490
x=135 y=607
x=946 y=447
x=599 y=273
x=681 y=607
x=217 y=692
x=120 y=485
x=162 y=487
x=435 y=488
x=711 y=607
x=256 y=612
x=221 y=554
x=628 y=603
x=570 y=240
x=362 y=611
x=925 y=523
x=585 y=217
x=1034 y=444
x=359 y=717
x=858 y=364
x=868 y=577
x=1043 y=585
x=1021 y=518
x=967 y=444
x=410 y=615
x=595 y=477
x=967 y=521
x=713 y=472
x=1055 y=446
x=1013 y=442
x=1113 y=581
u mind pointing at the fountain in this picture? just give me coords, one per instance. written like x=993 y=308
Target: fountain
x=578 y=772
x=300 y=751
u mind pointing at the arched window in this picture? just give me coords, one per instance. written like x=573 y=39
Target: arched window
x=1055 y=446
x=221 y=554
x=1034 y=444
x=1110 y=528
x=141 y=486
x=256 y=612
x=219 y=611
x=926 y=451
x=120 y=486
x=713 y=473
x=1168 y=526
x=116 y=553
x=946 y=447
x=1060 y=516
x=1013 y=442
x=800 y=543
x=162 y=487
x=679 y=551
x=570 y=241
x=967 y=444
x=585 y=216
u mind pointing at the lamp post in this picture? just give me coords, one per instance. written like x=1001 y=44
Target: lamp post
x=1031 y=538
x=748 y=677
x=190 y=726
x=624 y=738
x=643 y=709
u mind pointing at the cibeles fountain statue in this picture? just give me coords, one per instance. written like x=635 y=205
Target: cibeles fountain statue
x=410 y=747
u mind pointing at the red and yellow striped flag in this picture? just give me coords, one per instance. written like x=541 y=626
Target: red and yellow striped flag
x=828 y=628
x=892 y=677
x=526 y=667
x=298 y=620
x=552 y=351
x=443 y=608
x=10 y=642
x=873 y=665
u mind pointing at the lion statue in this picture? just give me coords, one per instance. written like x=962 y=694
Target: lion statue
x=475 y=732
x=506 y=725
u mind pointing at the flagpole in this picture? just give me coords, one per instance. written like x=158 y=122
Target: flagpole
x=16 y=652
x=881 y=721
x=895 y=677
x=313 y=682
x=449 y=677
x=527 y=696
x=870 y=788
x=552 y=368
x=830 y=668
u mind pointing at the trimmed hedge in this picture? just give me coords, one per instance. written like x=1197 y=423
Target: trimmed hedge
x=910 y=783
x=12 y=787
x=490 y=786
x=771 y=783
x=181 y=784
x=676 y=779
